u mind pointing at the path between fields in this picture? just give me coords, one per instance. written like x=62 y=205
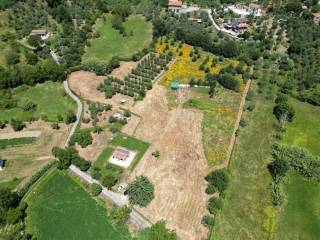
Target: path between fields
x=22 y=134
x=225 y=164
x=116 y=198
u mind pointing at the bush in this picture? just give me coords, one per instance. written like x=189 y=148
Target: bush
x=55 y=126
x=110 y=179
x=229 y=82
x=82 y=137
x=81 y=163
x=120 y=215
x=284 y=111
x=159 y=231
x=207 y=221
x=276 y=194
x=2 y=125
x=218 y=181
x=70 y=117
x=14 y=215
x=28 y=106
x=278 y=168
x=95 y=189
x=17 y=125
x=141 y=191
x=215 y=204
x=156 y=154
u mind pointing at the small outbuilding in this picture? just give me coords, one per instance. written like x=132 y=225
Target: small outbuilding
x=175 y=85
x=44 y=34
x=121 y=154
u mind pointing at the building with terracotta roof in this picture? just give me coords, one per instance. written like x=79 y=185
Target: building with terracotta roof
x=175 y=5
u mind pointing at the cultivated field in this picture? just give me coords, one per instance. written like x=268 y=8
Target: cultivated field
x=24 y=160
x=112 y=43
x=85 y=84
x=178 y=173
x=49 y=97
x=74 y=214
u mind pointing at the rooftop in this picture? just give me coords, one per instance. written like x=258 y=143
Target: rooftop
x=121 y=154
x=175 y=3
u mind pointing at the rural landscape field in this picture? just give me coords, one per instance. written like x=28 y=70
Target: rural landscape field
x=159 y=120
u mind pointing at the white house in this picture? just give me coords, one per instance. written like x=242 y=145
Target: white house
x=44 y=34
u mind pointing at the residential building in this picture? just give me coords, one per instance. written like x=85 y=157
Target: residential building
x=121 y=154
x=175 y=5
x=44 y=34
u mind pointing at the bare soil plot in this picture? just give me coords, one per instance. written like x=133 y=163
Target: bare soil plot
x=22 y=134
x=179 y=173
x=100 y=141
x=124 y=69
x=85 y=84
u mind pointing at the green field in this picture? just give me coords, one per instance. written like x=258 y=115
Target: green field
x=248 y=212
x=112 y=43
x=304 y=131
x=300 y=219
x=59 y=208
x=17 y=142
x=219 y=117
x=11 y=184
x=49 y=97
x=302 y=206
x=132 y=144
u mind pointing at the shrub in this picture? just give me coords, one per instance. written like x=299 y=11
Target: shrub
x=229 y=82
x=28 y=106
x=207 y=221
x=278 y=168
x=218 y=180
x=215 y=204
x=70 y=117
x=2 y=125
x=120 y=215
x=284 y=111
x=276 y=194
x=14 y=215
x=156 y=154
x=55 y=126
x=141 y=191
x=96 y=174
x=82 y=137
x=17 y=125
x=160 y=232
x=110 y=179
x=95 y=189
x=81 y=163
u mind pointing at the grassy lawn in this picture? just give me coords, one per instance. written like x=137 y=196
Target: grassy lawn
x=132 y=144
x=103 y=157
x=300 y=219
x=50 y=98
x=217 y=125
x=302 y=206
x=16 y=142
x=248 y=212
x=61 y=209
x=11 y=184
x=304 y=131
x=112 y=43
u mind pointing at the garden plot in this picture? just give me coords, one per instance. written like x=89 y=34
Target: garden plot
x=179 y=173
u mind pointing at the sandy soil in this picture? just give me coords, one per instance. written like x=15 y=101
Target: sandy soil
x=178 y=174
x=21 y=134
x=124 y=69
x=85 y=85
x=92 y=152
x=132 y=125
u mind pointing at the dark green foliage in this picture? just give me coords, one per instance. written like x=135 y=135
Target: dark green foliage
x=12 y=58
x=158 y=231
x=229 y=81
x=17 y=125
x=298 y=159
x=212 y=81
x=120 y=215
x=278 y=168
x=215 y=204
x=82 y=137
x=95 y=189
x=207 y=221
x=277 y=195
x=70 y=156
x=34 y=41
x=8 y=200
x=110 y=179
x=28 y=105
x=284 y=111
x=141 y=191
x=217 y=181
x=70 y=117
x=15 y=215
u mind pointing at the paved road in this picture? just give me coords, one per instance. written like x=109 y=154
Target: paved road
x=116 y=198
x=79 y=110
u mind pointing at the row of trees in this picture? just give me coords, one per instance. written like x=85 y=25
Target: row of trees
x=70 y=156
x=138 y=81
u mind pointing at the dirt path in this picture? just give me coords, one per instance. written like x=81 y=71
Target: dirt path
x=225 y=164
x=22 y=134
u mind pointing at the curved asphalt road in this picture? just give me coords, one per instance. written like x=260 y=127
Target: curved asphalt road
x=79 y=110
